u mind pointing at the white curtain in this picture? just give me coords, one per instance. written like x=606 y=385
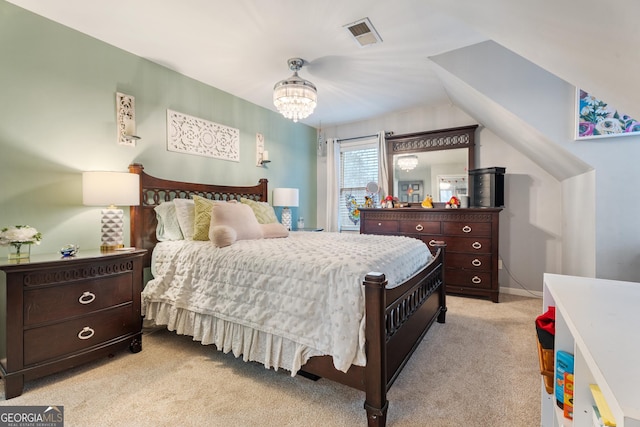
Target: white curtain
x=333 y=183
x=383 y=172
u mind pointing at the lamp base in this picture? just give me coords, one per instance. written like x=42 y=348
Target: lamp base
x=112 y=229
x=110 y=248
x=286 y=218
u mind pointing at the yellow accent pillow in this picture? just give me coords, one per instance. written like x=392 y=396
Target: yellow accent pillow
x=263 y=211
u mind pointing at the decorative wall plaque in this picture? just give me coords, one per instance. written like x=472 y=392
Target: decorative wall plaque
x=191 y=135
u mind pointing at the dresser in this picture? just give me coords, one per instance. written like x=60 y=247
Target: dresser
x=62 y=312
x=471 y=236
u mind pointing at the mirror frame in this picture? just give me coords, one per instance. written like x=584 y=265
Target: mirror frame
x=434 y=140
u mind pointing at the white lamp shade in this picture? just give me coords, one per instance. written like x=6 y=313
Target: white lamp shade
x=110 y=189
x=287 y=197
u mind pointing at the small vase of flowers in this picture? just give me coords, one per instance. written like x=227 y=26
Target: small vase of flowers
x=19 y=239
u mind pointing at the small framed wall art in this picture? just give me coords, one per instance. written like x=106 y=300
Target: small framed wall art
x=597 y=119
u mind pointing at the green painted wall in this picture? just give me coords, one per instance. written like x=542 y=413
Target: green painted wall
x=57 y=119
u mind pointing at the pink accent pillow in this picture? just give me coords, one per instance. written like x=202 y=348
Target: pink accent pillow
x=222 y=235
x=238 y=217
x=274 y=230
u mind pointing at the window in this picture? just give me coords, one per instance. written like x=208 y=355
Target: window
x=358 y=167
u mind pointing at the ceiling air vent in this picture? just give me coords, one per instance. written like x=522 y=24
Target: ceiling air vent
x=364 y=33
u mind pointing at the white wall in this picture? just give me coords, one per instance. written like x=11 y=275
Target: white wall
x=579 y=212
x=531 y=223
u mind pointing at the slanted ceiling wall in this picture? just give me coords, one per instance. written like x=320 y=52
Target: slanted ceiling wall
x=590 y=44
x=533 y=110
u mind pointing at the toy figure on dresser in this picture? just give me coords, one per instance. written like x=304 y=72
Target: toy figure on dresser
x=389 y=202
x=427 y=202
x=453 y=202
x=368 y=201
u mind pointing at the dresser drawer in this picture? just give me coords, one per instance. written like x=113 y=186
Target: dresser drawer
x=475 y=262
x=420 y=227
x=383 y=226
x=467 y=228
x=483 y=200
x=466 y=278
x=50 y=304
x=50 y=342
x=468 y=244
x=482 y=181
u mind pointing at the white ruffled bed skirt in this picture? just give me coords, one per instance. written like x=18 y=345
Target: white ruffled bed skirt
x=253 y=345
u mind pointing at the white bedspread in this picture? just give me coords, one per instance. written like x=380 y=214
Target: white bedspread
x=277 y=301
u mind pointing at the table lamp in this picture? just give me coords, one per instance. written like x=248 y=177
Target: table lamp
x=111 y=189
x=287 y=198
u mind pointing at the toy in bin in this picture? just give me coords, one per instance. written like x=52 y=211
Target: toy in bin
x=545 y=329
x=564 y=365
x=568 y=395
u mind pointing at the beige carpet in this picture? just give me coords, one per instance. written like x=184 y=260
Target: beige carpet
x=478 y=369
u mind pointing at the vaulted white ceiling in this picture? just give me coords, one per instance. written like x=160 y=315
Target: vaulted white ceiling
x=242 y=46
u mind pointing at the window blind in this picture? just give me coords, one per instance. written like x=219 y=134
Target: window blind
x=358 y=167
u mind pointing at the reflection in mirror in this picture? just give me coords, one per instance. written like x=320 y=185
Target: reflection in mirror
x=434 y=163
x=441 y=174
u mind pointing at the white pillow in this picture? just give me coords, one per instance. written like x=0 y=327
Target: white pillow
x=168 y=226
x=185 y=208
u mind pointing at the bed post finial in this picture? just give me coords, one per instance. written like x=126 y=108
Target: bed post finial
x=136 y=168
x=376 y=402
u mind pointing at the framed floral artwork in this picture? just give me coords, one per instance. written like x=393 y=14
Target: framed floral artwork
x=597 y=119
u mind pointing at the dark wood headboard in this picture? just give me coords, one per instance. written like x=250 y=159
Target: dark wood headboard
x=154 y=191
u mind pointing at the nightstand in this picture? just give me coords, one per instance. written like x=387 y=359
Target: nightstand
x=62 y=312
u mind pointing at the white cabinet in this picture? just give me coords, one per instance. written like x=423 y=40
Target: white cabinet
x=598 y=321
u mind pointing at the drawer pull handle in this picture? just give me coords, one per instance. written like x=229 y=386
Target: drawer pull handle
x=419 y=227
x=476 y=280
x=432 y=242
x=86 y=298
x=476 y=245
x=86 y=333
x=476 y=262
x=379 y=224
x=466 y=229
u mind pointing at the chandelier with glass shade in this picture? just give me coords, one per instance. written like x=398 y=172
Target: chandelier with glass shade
x=295 y=98
x=407 y=163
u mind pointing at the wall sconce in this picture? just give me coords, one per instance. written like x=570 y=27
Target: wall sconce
x=262 y=156
x=126 y=119
x=322 y=144
x=287 y=198
x=111 y=189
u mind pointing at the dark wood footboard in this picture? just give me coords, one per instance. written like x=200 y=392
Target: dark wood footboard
x=396 y=321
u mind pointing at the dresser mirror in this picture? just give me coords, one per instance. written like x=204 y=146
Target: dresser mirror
x=432 y=163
